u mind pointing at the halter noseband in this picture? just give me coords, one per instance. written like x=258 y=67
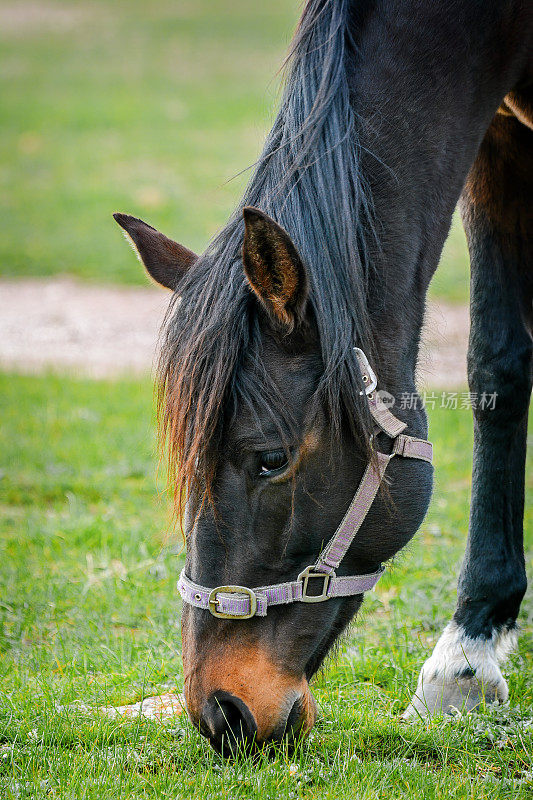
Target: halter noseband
x=240 y=602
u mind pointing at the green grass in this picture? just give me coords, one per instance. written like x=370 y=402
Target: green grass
x=144 y=107
x=89 y=612
x=452 y=278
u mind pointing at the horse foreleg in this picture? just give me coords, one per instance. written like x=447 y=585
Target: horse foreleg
x=496 y=206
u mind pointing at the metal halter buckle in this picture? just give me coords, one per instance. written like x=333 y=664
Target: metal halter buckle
x=214 y=601
x=309 y=573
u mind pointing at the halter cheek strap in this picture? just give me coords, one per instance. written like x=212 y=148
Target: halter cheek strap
x=240 y=602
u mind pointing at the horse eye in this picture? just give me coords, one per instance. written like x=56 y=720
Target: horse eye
x=271 y=462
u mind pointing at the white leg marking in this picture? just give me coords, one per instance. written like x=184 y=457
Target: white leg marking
x=461 y=671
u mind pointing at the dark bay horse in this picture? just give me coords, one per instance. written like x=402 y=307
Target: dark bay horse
x=393 y=111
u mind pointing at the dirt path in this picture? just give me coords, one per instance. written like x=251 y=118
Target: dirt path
x=103 y=331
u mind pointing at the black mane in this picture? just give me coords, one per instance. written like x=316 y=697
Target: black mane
x=308 y=179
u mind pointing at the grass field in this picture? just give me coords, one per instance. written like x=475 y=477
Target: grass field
x=149 y=108
x=89 y=612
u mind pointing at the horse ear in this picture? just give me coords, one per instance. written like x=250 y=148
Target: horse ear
x=274 y=269
x=166 y=261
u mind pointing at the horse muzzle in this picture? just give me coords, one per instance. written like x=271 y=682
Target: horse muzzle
x=240 y=699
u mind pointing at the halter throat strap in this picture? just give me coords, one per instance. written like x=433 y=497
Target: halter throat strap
x=241 y=602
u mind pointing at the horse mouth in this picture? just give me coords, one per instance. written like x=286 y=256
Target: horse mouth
x=231 y=728
x=297 y=725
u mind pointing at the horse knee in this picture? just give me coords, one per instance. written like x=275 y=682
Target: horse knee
x=504 y=379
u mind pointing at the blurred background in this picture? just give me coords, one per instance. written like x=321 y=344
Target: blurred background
x=153 y=108
x=159 y=110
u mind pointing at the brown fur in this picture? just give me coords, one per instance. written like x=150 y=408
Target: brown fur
x=246 y=671
x=166 y=261
x=521 y=106
x=501 y=178
x=273 y=268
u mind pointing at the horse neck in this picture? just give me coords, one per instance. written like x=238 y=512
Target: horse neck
x=424 y=89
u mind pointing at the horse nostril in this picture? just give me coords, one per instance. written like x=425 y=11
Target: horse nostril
x=294 y=720
x=228 y=723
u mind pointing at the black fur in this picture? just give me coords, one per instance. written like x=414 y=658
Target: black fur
x=498 y=217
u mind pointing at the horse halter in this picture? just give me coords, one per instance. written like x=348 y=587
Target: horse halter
x=240 y=602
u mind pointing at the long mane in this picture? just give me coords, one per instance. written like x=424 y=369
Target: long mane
x=308 y=179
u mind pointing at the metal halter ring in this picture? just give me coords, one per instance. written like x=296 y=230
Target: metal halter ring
x=308 y=574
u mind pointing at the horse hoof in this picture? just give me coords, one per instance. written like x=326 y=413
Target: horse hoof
x=461 y=674
x=459 y=694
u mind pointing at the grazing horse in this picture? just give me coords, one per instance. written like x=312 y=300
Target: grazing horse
x=393 y=111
